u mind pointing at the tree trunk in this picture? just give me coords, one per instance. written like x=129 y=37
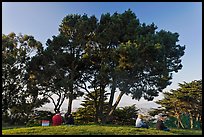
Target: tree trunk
x=97 y=110
x=71 y=85
x=69 y=110
x=179 y=121
x=112 y=94
x=70 y=104
x=200 y=120
x=197 y=117
x=101 y=103
x=56 y=109
x=191 y=120
x=116 y=103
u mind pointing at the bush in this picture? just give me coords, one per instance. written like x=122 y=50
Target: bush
x=125 y=115
x=38 y=116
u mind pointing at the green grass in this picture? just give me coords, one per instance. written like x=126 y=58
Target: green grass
x=95 y=130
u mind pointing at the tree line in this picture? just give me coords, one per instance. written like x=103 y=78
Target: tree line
x=186 y=101
x=116 y=53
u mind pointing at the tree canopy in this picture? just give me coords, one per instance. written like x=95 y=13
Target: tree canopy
x=187 y=99
x=116 y=52
x=19 y=98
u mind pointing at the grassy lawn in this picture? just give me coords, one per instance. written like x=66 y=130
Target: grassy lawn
x=94 y=130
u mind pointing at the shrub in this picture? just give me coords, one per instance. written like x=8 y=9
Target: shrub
x=38 y=116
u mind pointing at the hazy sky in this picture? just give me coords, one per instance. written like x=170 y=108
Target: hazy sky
x=42 y=19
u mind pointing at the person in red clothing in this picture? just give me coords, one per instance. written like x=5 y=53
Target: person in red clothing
x=57 y=119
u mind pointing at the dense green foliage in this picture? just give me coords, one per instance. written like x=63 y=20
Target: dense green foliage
x=124 y=115
x=88 y=112
x=172 y=122
x=38 y=116
x=121 y=116
x=186 y=101
x=19 y=98
x=95 y=130
x=116 y=52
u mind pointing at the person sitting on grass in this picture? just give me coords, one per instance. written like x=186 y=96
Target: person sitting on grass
x=69 y=119
x=160 y=123
x=140 y=123
x=57 y=119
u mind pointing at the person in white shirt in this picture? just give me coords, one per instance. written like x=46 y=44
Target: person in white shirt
x=140 y=123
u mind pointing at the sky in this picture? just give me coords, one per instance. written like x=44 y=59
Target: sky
x=42 y=20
